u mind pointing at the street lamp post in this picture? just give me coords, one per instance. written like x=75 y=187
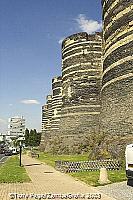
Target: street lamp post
x=20 y=139
x=20 y=146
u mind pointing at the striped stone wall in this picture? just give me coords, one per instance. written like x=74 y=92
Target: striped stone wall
x=49 y=115
x=46 y=120
x=117 y=80
x=81 y=83
x=44 y=117
x=44 y=123
x=56 y=103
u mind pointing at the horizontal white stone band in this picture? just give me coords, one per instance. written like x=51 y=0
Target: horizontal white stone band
x=117 y=79
x=57 y=88
x=80 y=113
x=81 y=47
x=81 y=71
x=116 y=35
x=57 y=97
x=82 y=106
x=56 y=120
x=85 y=42
x=110 y=8
x=88 y=64
x=89 y=77
x=55 y=128
x=128 y=58
x=81 y=53
x=118 y=44
x=118 y=16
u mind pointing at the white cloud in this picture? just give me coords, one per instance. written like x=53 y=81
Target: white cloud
x=30 y=101
x=2 y=121
x=88 y=25
x=10 y=104
x=61 y=40
x=3 y=125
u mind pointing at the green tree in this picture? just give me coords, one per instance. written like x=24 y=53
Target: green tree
x=31 y=138
x=27 y=137
x=38 y=139
x=35 y=138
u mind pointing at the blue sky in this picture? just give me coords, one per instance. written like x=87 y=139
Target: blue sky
x=31 y=32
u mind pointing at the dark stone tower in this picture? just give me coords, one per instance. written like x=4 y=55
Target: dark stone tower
x=81 y=84
x=56 y=104
x=117 y=82
x=46 y=121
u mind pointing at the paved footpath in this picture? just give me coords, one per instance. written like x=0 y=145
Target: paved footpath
x=45 y=179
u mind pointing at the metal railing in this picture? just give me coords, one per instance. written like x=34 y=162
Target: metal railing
x=69 y=166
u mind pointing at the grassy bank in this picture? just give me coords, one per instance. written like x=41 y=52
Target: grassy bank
x=90 y=177
x=11 y=172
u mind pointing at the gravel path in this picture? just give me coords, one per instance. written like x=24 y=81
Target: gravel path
x=119 y=191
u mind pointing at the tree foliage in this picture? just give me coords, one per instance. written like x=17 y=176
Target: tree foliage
x=32 y=138
x=26 y=137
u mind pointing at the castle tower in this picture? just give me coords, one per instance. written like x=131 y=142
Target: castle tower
x=56 y=103
x=117 y=82
x=46 y=120
x=81 y=84
x=49 y=113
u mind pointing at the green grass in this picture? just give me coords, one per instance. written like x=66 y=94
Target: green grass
x=50 y=159
x=92 y=177
x=11 y=172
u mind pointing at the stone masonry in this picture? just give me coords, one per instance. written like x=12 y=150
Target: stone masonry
x=56 y=103
x=46 y=121
x=51 y=113
x=117 y=82
x=76 y=96
x=81 y=84
x=97 y=91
